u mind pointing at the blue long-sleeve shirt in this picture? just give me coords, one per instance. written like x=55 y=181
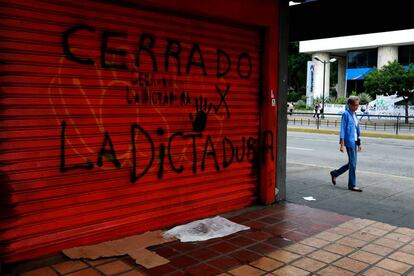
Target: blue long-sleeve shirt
x=348 y=128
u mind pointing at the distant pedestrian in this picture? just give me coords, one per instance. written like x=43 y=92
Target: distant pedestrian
x=290 y=108
x=362 y=111
x=365 y=112
x=349 y=139
x=317 y=109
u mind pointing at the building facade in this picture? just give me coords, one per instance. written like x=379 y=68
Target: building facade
x=356 y=56
x=120 y=117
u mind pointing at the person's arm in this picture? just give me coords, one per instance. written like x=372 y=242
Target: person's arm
x=342 y=132
x=359 y=140
x=341 y=145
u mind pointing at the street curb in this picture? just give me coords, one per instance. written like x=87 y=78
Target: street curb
x=363 y=133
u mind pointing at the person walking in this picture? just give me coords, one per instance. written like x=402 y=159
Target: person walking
x=290 y=108
x=363 y=112
x=316 y=113
x=319 y=110
x=349 y=139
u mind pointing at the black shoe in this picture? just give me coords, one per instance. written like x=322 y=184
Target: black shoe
x=333 y=178
x=355 y=189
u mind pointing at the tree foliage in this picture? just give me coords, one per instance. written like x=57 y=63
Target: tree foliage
x=335 y=100
x=364 y=98
x=392 y=79
x=297 y=66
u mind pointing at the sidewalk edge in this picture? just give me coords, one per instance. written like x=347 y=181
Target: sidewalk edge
x=363 y=133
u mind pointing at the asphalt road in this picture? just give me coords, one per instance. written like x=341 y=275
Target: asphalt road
x=385 y=156
x=333 y=122
x=385 y=171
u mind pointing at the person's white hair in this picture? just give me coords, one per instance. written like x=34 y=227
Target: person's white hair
x=352 y=99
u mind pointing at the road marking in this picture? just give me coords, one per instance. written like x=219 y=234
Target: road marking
x=334 y=139
x=299 y=148
x=315 y=140
x=368 y=172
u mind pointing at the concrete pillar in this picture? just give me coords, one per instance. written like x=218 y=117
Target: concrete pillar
x=281 y=135
x=340 y=88
x=386 y=54
x=318 y=75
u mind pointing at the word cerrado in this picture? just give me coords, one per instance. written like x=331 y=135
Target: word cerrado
x=254 y=150
x=145 y=46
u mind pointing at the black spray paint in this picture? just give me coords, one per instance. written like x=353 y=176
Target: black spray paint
x=63 y=167
x=230 y=154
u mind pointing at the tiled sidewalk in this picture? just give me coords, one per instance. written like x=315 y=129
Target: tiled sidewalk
x=356 y=247
x=286 y=239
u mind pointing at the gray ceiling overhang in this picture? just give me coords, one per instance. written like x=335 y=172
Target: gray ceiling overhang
x=332 y=18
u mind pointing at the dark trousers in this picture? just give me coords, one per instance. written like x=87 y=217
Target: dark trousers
x=351 y=166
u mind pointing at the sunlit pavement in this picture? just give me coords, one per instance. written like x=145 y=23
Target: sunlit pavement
x=284 y=239
x=384 y=171
x=367 y=233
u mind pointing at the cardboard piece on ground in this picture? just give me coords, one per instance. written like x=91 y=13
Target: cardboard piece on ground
x=149 y=258
x=134 y=246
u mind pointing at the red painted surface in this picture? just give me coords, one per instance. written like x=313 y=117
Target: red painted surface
x=102 y=130
x=265 y=15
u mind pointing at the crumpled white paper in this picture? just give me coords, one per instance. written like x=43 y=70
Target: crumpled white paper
x=205 y=229
x=309 y=198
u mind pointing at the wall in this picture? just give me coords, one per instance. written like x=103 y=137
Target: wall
x=386 y=54
x=122 y=118
x=261 y=13
x=319 y=81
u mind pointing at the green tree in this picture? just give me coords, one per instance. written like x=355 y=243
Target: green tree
x=294 y=96
x=297 y=66
x=364 y=98
x=341 y=100
x=390 y=79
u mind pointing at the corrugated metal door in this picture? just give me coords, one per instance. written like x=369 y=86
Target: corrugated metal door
x=116 y=120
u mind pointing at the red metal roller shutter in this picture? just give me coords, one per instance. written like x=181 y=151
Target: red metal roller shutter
x=116 y=120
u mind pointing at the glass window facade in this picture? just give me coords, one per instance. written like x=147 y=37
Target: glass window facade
x=362 y=59
x=406 y=55
x=354 y=85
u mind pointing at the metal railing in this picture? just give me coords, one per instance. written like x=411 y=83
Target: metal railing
x=380 y=123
